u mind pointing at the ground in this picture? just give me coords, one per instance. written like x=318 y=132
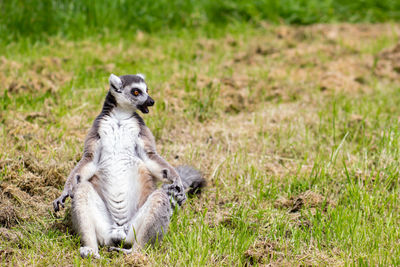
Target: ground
x=295 y=128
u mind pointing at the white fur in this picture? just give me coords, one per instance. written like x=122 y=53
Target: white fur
x=87 y=251
x=119 y=163
x=115 y=81
x=156 y=171
x=141 y=86
x=87 y=171
x=141 y=76
x=116 y=164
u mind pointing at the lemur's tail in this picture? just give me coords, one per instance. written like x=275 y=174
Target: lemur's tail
x=192 y=179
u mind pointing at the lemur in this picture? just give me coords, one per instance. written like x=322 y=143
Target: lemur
x=115 y=199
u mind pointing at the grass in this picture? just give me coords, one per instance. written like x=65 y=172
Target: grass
x=296 y=129
x=36 y=20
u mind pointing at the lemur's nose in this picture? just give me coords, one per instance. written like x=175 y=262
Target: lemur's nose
x=150 y=101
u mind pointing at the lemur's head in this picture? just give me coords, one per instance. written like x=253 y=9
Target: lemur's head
x=131 y=92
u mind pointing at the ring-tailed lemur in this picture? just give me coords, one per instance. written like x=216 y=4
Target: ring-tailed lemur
x=113 y=187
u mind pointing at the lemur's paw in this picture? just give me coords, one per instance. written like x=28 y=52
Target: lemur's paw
x=60 y=201
x=176 y=192
x=89 y=252
x=117 y=236
x=167 y=178
x=165 y=173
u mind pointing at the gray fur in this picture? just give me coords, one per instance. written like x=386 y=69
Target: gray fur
x=129 y=79
x=192 y=179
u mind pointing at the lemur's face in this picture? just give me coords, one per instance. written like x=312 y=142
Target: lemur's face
x=131 y=92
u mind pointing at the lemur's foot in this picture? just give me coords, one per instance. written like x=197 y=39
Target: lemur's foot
x=176 y=193
x=117 y=236
x=89 y=252
x=123 y=250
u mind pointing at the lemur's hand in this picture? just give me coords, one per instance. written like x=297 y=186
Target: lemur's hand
x=60 y=201
x=167 y=178
x=66 y=193
x=176 y=192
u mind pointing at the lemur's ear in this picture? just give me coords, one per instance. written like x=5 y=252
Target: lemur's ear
x=141 y=76
x=115 y=83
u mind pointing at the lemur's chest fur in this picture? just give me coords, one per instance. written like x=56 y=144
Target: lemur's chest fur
x=120 y=158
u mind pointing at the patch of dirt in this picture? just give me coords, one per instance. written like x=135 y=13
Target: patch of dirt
x=9 y=235
x=238 y=94
x=262 y=251
x=46 y=74
x=136 y=259
x=388 y=63
x=8 y=215
x=17 y=206
x=5 y=254
x=308 y=199
x=324 y=66
x=104 y=67
x=26 y=187
x=33 y=177
x=313 y=256
x=346 y=74
x=328 y=57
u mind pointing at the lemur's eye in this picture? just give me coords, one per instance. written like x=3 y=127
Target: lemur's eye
x=135 y=92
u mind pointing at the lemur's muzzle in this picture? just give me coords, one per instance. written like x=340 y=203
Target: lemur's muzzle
x=148 y=103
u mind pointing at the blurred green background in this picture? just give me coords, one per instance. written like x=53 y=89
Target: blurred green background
x=37 y=19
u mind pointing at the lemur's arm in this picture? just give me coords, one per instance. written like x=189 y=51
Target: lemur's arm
x=158 y=166
x=83 y=171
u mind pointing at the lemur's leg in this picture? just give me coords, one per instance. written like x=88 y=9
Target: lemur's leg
x=90 y=217
x=151 y=221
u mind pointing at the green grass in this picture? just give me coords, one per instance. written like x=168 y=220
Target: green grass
x=35 y=19
x=252 y=110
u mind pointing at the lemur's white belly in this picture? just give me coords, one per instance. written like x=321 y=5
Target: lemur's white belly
x=118 y=167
